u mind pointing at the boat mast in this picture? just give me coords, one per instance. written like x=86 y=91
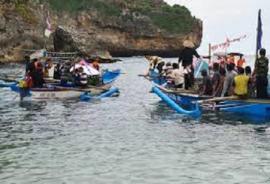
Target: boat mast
x=209 y=52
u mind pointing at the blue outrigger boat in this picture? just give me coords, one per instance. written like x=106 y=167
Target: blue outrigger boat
x=56 y=91
x=190 y=103
x=193 y=104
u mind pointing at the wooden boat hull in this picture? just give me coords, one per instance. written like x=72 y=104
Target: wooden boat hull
x=65 y=93
x=50 y=95
x=54 y=91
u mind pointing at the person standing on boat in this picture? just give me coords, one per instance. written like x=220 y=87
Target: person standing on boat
x=35 y=72
x=177 y=76
x=206 y=87
x=241 y=62
x=251 y=85
x=228 y=82
x=37 y=75
x=215 y=78
x=186 y=57
x=222 y=73
x=230 y=59
x=261 y=72
x=240 y=84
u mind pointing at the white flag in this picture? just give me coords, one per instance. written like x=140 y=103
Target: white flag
x=48 y=33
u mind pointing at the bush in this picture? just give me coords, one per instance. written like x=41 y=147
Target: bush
x=74 y=6
x=172 y=23
x=174 y=19
x=25 y=12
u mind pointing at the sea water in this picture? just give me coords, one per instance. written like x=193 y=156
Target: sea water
x=133 y=138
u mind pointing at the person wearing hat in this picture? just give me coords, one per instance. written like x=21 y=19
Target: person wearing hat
x=153 y=61
x=186 y=58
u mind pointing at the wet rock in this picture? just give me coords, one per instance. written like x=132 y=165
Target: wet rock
x=63 y=41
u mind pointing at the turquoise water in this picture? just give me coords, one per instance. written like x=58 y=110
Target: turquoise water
x=133 y=138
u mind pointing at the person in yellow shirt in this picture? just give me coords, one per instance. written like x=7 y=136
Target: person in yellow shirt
x=240 y=83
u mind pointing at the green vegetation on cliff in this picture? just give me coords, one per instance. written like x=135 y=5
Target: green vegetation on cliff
x=73 y=6
x=172 y=19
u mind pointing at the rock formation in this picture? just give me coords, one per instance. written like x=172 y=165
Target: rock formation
x=124 y=31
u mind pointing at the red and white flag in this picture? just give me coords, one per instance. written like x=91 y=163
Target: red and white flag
x=227 y=43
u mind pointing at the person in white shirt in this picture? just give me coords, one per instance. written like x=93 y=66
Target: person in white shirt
x=177 y=76
x=167 y=69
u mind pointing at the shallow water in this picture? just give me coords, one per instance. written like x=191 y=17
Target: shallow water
x=133 y=138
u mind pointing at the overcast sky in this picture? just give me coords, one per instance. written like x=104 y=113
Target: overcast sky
x=230 y=18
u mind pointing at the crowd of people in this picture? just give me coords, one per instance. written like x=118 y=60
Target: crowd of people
x=234 y=79
x=77 y=73
x=221 y=79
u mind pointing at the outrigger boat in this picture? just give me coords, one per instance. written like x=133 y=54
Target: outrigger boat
x=179 y=100
x=55 y=91
x=190 y=103
x=52 y=88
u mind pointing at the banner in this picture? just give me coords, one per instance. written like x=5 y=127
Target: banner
x=227 y=43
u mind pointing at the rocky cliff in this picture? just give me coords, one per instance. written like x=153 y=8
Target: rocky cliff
x=122 y=27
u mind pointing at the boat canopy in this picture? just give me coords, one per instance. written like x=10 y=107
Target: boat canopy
x=90 y=71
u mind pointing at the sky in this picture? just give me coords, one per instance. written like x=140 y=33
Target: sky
x=230 y=19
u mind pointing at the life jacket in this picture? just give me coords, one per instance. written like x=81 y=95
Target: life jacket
x=27 y=82
x=240 y=62
x=22 y=84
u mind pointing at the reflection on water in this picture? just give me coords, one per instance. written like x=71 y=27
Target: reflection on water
x=133 y=138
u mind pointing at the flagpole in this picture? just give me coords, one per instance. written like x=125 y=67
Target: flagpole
x=256 y=51
x=259 y=34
